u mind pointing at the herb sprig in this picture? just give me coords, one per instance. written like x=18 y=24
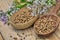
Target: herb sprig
x=22 y=3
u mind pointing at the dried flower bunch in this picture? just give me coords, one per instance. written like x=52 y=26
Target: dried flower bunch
x=46 y=24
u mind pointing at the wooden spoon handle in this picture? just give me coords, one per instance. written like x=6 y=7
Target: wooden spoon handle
x=57 y=0
x=55 y=9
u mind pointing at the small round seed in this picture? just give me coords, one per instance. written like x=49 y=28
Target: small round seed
x=23 y=16
x=46 y=24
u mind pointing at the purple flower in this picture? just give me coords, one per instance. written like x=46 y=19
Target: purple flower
x=4 y=18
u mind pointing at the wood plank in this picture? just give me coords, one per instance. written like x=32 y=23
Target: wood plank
x=1 y=37
x=52 y=37
x=5 y=4
x=55 y=36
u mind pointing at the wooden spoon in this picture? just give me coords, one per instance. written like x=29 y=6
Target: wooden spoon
x=22 y=25
x=46 y=28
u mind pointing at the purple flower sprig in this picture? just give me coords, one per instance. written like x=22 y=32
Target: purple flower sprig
x=3 y=17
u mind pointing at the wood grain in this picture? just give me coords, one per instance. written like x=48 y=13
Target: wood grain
x=4 y=5
x=1 y=37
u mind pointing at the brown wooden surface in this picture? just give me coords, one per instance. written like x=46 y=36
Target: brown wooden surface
x=5 y=4
x=55 y=36
x=1 y=37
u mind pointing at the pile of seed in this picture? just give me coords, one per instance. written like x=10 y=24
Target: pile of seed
x=22 y=16
x=46 y=24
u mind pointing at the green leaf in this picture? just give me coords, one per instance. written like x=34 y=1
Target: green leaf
x=29 y=2
x=53 y=2
x=9 y=12
x=21 y=6
x=23 y=1
x=1 y=14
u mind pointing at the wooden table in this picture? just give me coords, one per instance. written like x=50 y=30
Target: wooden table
x=1 y=37
x=29 y=31
x=5 y=5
